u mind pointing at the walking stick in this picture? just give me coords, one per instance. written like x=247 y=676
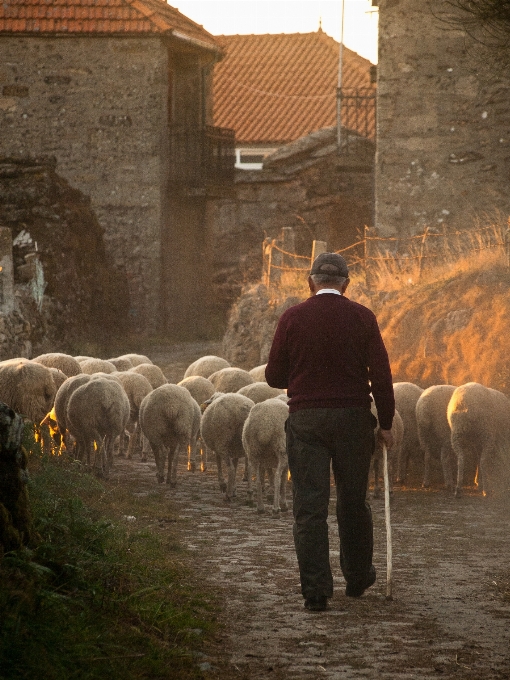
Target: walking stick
x=389 y=549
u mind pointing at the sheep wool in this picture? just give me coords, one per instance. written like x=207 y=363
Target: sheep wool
x=97 y=366
x=153 y=373
x=230 y=379
x=222 y=432
x=97 y=411
x=121 y=363
x=260 y=391
x=479 y=419
x=264 y=442
x=63 y=395
x=206 y=366
x=199 y=387
x=258 y=373
x=169 y=420
x=137 y=387
x=65 y=363
x=27 y=387
x=136 y=359
x=406 y=396
x=434 y=432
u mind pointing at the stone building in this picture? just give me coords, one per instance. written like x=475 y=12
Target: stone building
x=119 y=93
x=443 y=135
x=274 y=89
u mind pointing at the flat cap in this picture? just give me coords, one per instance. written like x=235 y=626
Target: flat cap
x=330 y=263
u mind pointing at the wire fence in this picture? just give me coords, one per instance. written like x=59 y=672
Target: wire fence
x=396 y=255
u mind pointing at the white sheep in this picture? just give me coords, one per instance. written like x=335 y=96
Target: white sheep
x=97 y=412
x=27 y=387
x=65 y=363
x=121 y=363
x=258 y=373
x=206 y=366
x=479 y=419
x=264 y=442
x=230 y=379
x=60 y=406
x=137 y=387
x=222 y=431
x=434 y=432
x=170 y=419
x=153 y=373
x=81 y=358
x=96 y=366
x=136 y=359
x=406 y=396
x=199 y=387
x=398 y=432
x=260 y=391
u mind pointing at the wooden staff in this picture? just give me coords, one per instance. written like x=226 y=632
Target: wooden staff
x=389 y=549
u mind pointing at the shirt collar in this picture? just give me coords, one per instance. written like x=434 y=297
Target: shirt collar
x=328 y=290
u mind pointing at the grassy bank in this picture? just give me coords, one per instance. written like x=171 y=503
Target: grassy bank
x=105 y=591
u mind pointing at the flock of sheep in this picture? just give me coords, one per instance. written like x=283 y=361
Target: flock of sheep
x=95 y=407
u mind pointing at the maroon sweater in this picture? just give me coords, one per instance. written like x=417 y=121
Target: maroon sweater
x=328 y=352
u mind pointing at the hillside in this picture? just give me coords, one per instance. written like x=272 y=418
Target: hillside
x=453 y=330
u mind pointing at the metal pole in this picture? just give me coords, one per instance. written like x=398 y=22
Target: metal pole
x=339 y=84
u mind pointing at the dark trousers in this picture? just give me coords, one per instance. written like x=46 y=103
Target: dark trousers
x=317 y=438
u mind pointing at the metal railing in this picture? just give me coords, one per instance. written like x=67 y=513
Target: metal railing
x=202 y=156
x=358 y=110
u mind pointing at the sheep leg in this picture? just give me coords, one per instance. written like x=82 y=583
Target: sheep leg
x=133 y=438
x=402 y=460
x=426 y=465
x=231 y=478
x=221 y=479
x=283 y=487
x=260 y=472
x=250 y=489
x=160 y=458
x=277 y=484
x=173 y=460
x=448 y=465
x=204 y=451
x=271 y=483
x=458 y=449
x=146 y=449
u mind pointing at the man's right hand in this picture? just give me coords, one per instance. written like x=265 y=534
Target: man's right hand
x=385 y=437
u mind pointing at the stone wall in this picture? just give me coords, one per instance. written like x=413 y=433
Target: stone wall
x=443 y=142
x=99 y=106
x=306 y=185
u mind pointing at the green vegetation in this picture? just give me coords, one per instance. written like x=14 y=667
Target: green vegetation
x=99 y=594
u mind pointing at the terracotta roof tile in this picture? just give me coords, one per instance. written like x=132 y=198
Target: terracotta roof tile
x=100 y=16
x=273 y=89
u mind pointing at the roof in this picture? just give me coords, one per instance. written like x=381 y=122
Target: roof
x=100 y=17
x=273 y=89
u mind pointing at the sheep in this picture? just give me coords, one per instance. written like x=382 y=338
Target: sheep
x=65 y=363
x=479 y=419
x=434 y=432
x=153 y=373
x=260 y=391
x=58 y=377
x=264 y=442
x=97 y=365
x=222 y=430
x=136 y=359
x=97 y=411
x=137 y=387
x=230 y=379
x=27 y=387
x=406 y=396
x=398 y=432
x=61 y=399
x=121 y=363
x=258 y=373
x=80 y=358
x=170 y=419
x=206 y=366
x=199 y=387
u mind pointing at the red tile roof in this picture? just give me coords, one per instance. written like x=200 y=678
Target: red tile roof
x=100 y=16
x=273 y=89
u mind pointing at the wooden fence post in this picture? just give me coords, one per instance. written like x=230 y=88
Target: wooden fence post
x=365 y=254
x=318 y=247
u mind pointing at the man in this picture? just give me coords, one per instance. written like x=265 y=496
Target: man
x=329 y=354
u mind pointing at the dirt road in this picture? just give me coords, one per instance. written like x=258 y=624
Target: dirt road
x=450 y=617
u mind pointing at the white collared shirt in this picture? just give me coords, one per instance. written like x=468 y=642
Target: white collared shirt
x=328 y=290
